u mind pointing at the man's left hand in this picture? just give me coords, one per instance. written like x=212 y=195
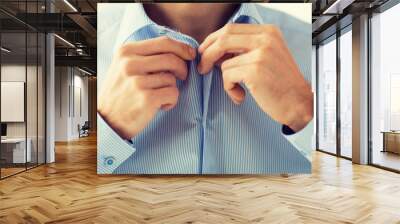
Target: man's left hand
x=258 y=57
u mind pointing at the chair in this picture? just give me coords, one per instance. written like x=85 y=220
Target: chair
x=84 y=130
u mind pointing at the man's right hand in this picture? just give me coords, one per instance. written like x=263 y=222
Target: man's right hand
x=140 y=81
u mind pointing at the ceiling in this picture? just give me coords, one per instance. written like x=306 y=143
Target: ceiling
x=75 y=21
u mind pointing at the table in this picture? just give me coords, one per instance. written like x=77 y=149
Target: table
x=391 y=141
x=18 y=150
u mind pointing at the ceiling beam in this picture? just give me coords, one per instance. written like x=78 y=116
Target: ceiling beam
x=81 y=61
x=338 y=6
x=84 y=24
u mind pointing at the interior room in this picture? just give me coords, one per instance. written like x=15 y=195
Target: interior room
x=49 y=132
x=22 y=103
x=385 y=90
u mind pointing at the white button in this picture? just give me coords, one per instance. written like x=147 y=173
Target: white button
x=162 y=31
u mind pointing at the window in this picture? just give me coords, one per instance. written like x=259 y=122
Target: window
x=346 y=92
x=314 y=82
x=385 y=89
x=22 y=76
x=327 y=95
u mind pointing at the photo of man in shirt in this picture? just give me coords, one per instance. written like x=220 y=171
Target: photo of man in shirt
x=190 y=88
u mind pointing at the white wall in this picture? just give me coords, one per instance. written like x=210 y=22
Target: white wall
x=80 y=103
x=71 y=94
x=61 y=103
x=301 y=11
x=12 y=73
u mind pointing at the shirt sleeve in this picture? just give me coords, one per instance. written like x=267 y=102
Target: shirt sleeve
x=112 y=149
x=302 y=139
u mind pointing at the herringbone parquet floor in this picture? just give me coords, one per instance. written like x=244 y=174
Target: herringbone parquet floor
x=70 y=191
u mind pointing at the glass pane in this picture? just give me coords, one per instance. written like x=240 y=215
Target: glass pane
x=41 y=98
x=314 y=77
x=13 y=87
x=32 y=90
x=23 y=90
x=327 y=96
x=346 y=94
x=31 y=98
x=385 y=114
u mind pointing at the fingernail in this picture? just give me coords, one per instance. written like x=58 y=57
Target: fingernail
x=200 y=49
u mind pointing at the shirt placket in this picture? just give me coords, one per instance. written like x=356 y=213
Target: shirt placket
x=205 y=85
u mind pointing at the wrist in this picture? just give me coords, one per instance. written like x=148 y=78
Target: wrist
x=299 y=123
x=302 y=114
x=113 y=124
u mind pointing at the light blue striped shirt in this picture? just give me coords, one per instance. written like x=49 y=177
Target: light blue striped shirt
x=206 y=133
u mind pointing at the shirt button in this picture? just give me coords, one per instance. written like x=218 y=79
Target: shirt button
x=162 y=31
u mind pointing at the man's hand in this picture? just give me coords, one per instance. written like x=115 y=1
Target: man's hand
x=257 y=56
x=140 y=81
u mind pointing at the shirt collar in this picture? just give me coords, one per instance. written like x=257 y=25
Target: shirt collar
x=135 y=18
x=247 y=10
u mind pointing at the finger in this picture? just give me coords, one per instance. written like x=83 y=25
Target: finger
x=224 y=58
x=242 y=60
x=155 y=81
x=236 y=93
x=232 y=78
x=163 y=63
x=232 y=44
x=159 y=45
x=232 y=28
x=165 y=98
x=167 y=107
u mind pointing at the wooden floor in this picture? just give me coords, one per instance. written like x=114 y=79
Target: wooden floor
x=387 y=159
x=5 y=172
x=8 y=171
x=70 y=191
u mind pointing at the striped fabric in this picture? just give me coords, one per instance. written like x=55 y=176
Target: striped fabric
x=205 y=133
